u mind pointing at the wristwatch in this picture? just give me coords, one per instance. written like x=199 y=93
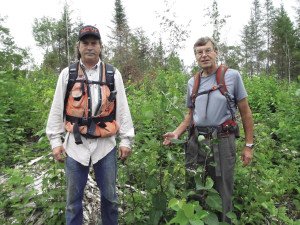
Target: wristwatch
x=249 y=145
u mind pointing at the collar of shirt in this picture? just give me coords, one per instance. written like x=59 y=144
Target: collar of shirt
x=93 y=73
x=94 y=67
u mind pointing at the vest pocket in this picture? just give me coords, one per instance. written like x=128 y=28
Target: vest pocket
x=76 y=95
x=107 y=130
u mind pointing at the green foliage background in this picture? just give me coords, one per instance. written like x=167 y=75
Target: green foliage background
x=151 y=182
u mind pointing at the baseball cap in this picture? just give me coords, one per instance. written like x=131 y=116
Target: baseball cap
x=89 y=30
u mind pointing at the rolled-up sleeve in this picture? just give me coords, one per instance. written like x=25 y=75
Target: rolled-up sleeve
x=123 y=116
x=55 y=124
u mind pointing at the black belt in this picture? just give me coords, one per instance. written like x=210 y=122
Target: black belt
x=223 y=129
x=87 y=121
x=208 y=130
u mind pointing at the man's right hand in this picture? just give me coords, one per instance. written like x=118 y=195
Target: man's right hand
x=59 y=153
x=168 y=137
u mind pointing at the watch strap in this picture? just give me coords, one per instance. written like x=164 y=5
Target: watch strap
x=249 y=145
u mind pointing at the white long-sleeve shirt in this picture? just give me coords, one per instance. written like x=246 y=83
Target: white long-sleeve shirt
x=90 y=149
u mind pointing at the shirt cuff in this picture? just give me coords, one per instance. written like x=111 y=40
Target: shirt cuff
x=55 y=143
x=126 y=143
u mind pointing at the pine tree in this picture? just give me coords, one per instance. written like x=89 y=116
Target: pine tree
x=253 y=41
x=121 y=29
x=247 y=48
x=258 y=35
x=268 y=19
x=297 y=48
x=298 y=18
x=119 y=41
x=284 y=43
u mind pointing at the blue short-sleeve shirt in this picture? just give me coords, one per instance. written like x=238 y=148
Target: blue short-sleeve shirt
x=212 y=109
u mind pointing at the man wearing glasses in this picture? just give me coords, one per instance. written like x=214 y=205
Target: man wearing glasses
x=209 y=113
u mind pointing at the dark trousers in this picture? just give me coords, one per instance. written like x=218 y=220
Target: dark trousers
x=222 y=151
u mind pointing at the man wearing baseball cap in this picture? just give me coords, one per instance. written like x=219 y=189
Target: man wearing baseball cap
x=88 y=31
x=88 y=115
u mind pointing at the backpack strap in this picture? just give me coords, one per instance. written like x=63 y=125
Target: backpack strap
x=110 y=79
x=223 y=89
x=220 y=78
x=73 y=74
x=197 y=80
x=106 y=77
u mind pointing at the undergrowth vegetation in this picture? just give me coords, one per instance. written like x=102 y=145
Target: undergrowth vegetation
x=151 y=182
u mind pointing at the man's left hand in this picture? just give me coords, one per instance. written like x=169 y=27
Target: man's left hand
x=247 y=156
x=124 y=152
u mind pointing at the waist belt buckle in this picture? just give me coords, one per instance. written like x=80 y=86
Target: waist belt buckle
x=85 y=121
x=226 y=128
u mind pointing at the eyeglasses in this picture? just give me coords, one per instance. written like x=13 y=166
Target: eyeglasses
x=202 y=52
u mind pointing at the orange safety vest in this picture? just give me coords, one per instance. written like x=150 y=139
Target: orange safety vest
x=78 y=105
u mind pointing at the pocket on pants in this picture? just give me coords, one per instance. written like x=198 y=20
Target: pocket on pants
x=192 y=152
x=228 y=146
